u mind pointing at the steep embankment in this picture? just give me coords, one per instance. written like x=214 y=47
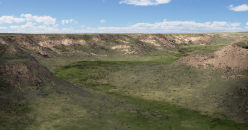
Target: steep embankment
x=231 y=56
x=57 y=45
x=34 y=98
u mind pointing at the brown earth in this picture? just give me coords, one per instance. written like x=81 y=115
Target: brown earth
x=168 y=41
x=23 y=73
x=234 y=57
x=27 y=43
x=26 y=75
x=40 y=43
x=163 y=40
x=182 y=38
x=151 y=41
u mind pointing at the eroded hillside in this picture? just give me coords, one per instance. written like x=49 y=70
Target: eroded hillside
x=57 y=45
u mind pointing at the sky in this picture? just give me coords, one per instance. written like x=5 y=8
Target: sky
x=123 y=16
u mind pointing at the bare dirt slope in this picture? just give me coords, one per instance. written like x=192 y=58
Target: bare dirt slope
x=231 y=56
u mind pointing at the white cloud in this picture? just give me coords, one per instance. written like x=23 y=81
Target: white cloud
x=144 y=2
x=63 y=22
x=28 y=25
x=102 y=21
x=10 y=19
x=28 y=18
x=14 y=27
x=246 y=25
x=40 y=19
x=243 y=7
x=235 y=24
x=158 y=27
x=175 y=25
x=68 y=21
x=3 y=27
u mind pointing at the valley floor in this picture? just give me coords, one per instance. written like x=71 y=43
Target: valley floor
x=96 y=84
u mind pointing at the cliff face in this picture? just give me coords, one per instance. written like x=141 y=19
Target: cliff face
x=57 y=45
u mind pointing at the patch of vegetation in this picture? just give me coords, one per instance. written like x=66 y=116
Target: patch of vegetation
x=62 y=47
x=5 y=86
x=3 y=47
x=243 y=44
x=47 y=49
x=217 y=40
x=12 y=57
x=104 y=76
x=198 y=49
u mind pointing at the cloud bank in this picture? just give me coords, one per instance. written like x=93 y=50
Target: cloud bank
x=176 y=26
x=47 y=24
x=40 y=19
x=28 y=18
x=10 y=19
x=158 y=27
x=3 y=28
x=144 y=2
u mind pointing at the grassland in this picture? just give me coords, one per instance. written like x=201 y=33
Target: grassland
x=157 y=89
x=136 y=91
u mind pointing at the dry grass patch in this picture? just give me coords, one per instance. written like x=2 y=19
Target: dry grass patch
x=52 y=112
x=235 y=77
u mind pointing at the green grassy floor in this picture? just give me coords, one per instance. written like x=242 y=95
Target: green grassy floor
x=150 y=86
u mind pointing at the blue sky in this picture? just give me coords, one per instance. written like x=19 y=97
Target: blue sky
x=123 y=16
